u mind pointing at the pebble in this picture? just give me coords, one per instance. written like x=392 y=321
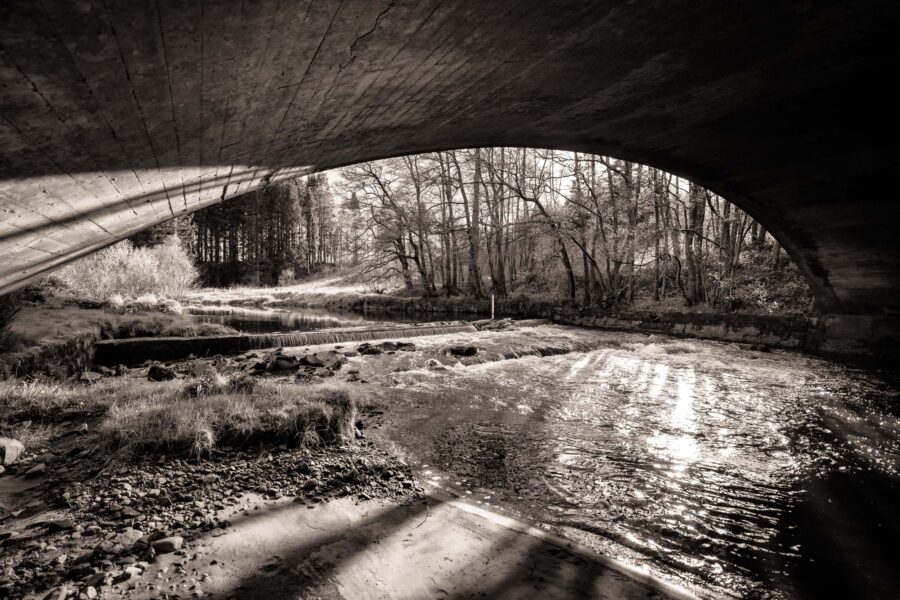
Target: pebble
x=36 y=471
x=169 y=544
x=166 y=498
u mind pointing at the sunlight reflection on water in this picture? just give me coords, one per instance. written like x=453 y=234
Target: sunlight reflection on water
x=687 y=456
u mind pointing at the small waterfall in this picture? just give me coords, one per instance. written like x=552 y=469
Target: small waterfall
x=133 y=350
x=334 y=336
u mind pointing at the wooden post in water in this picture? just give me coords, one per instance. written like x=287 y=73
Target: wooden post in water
x=492 y=307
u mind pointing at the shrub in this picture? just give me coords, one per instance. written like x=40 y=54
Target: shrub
x=123 y=270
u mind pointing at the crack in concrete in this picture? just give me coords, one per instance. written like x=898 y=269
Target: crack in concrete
x=371 y=31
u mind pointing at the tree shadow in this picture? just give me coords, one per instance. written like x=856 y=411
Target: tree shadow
x=300 y=573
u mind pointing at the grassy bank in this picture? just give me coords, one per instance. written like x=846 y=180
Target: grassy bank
x=133 y=415
x=56 y=339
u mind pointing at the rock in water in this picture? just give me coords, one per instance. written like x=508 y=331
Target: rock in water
x=435 y=365
x=159 y=372
x=10 y=450
x=169 y=544
x=462 y=350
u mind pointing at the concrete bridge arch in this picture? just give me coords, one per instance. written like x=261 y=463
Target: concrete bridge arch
x=117 y=114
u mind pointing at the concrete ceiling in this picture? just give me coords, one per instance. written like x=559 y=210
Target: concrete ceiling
x=119 y=114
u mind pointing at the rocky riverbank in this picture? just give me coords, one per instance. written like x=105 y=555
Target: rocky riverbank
x=81 y=524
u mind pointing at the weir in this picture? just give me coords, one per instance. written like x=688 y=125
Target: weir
x=109 y=352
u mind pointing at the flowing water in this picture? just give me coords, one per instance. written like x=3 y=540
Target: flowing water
x=734 y=473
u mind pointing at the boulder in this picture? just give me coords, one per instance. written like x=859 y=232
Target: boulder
x=329 y=360
x=129 y=537
x=283 y=364
x=10 y=450
x=388 y=346
x=63 y=524
x=159 y=372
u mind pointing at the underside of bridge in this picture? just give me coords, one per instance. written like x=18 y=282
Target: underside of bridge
x=120 y=114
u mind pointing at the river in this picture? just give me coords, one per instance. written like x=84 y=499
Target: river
x=728 y=471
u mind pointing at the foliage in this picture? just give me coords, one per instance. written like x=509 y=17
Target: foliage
x=272 y=235
x=123 y=269
x=589 y=229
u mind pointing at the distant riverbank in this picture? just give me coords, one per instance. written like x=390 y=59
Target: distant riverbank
x=786 y=332
x=836 y=336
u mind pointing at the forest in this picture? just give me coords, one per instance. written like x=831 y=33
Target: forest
x=588 y=230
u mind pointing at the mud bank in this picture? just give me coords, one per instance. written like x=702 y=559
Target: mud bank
x=94 y=525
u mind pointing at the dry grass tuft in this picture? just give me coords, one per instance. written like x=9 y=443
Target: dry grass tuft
x=274 y=411
x=138 y=416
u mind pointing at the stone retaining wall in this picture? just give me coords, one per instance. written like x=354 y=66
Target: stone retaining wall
x=778 y=332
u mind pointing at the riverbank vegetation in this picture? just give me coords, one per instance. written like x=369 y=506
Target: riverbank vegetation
x=53 y=335
x=133 y=414
x=127 y=271
x=585 y=230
